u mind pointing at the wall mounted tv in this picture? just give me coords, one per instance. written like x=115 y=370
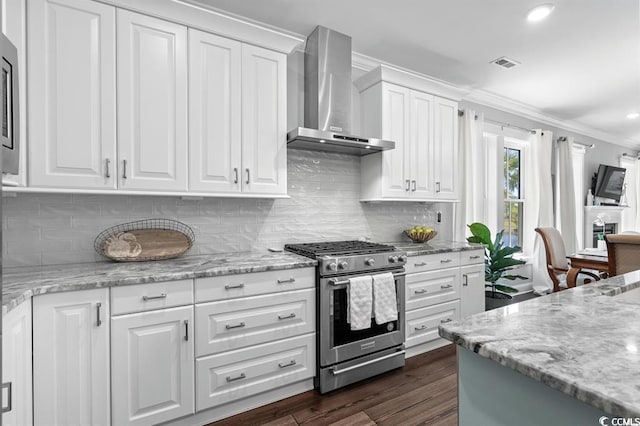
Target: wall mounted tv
x=609 y=182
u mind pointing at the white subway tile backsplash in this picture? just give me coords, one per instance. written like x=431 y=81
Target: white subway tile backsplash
x=324 y=204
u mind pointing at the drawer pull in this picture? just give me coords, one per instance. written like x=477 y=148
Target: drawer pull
x=232 y=286
x=290 y=280
x=186 y=330
x=474 y=257
x=465 y=280
x=229 y=327
x=98 y=319
x=446 y=261
x=417 y=265
x=291 y=315
x=289 y=364
x=9 y=387
x=233 y=379
x=160 y=296
x=422 y=327
x=421 y=291
x=446 y=286
x=445 y=320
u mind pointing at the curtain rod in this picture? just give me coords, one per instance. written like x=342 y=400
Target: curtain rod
x=586 y=146
x=499 y=123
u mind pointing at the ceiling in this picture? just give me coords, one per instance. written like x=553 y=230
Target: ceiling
x=580 y=66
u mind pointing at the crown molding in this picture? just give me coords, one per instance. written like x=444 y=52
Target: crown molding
x=520 y=109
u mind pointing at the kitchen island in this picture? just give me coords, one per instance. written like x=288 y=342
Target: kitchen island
x=571 y=357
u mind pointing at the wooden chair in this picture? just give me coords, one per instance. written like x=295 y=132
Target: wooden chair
x=624 y=253
x=556 y=253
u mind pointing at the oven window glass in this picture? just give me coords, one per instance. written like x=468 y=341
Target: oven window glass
x=342 y=333
x=6 y=105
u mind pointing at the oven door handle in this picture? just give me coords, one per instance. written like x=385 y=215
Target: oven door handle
x=336 y=282
x=353 y=367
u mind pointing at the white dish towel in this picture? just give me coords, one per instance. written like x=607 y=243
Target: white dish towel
x=360 y=300
x=385 y=304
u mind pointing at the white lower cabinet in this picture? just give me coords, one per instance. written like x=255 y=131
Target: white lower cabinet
x=472 y=294
x=422 y=324
x=16 y=365
x=71 y=358
x=152 y=366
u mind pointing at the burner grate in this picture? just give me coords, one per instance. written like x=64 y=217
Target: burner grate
x=337 y=248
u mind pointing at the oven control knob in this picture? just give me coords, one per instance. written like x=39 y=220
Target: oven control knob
x=393 y=259
x=403 y=258
x=343 y=265
x=333 y=266
x=369 y=262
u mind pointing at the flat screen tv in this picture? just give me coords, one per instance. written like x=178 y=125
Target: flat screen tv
x=610 y=182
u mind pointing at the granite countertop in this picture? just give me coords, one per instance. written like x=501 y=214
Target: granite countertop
x=433 y=247
x=579 y=341
x=20 y=284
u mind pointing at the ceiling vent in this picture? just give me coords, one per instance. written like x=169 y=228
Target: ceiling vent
x=505 y=62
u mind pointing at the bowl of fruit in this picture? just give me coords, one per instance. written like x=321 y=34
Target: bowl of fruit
x=420 y=234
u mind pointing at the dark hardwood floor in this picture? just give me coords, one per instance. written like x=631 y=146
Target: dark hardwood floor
x=423 y=392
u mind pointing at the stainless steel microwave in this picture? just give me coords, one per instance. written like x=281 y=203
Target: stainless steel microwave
x=10 y=109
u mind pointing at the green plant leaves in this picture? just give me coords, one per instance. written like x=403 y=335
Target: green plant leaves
x=505 y=289
x=481 y=233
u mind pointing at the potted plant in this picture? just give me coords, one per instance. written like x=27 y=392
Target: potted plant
x=498 y=259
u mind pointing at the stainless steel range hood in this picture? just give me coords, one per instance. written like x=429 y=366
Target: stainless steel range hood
x=327 y=99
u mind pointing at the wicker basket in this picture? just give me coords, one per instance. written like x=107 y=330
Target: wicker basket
x=143 y=240
x=420 y=237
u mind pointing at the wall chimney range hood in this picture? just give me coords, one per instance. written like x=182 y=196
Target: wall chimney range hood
x=327 y=99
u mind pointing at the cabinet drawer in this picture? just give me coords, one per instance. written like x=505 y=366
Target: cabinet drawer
x=147 y=297
x=237 y=323
x=241 y=285
x=238 y=374
x=422 y=324
x=430 y=288
x=470 y=257
x=429 y=262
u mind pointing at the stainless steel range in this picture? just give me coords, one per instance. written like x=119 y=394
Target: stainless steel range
x=346 y=356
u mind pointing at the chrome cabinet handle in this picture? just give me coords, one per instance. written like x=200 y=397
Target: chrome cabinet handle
x=98 y=320
x=235 y=172
x=289 y=364
x=446 y=286
x=413 y=186
x=445 y=320
x=232 y=286
x=465 y=280
x=248 y=177
x=291 y=315
x=421 y=291
x=420 y=264
x=9 y=387
x=437 y=186
x=407 y=185
x=474 y=257
x=106 y=168
x=229 y=327
x=124 y=169
x=445 y=261
x=290 y=280
x=160 y=296
x=233 y=379
x=422 y=327
x=186 y=330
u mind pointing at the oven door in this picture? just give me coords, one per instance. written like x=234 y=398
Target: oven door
x=337 y=342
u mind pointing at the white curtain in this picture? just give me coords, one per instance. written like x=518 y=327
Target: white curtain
x=566 y=212
x=631 y=215
x=578 y=154
x=539 y=199
x=472 y=206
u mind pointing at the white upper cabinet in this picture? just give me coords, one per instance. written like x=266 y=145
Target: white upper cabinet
x=395 y=126
x=72 y=118
x=422 y=145
x=264 y=121
x=214 y=113
x=152 y=103
x=446 y=164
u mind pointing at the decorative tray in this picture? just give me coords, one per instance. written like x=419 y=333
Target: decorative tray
x=142 y=240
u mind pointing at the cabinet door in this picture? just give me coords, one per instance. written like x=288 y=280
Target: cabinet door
x=264 y=115
x=72 y=89
x=396 y=181
x=71 y=358
x=152 y=364
x=446 y=161
x=152 y=103
x=472 y=295
x=214 y=113
x=16 y=365
x=421 y=146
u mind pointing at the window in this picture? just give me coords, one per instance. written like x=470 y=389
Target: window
x=512 y=194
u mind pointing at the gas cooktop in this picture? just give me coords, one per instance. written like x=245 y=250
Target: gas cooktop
x=337 y=248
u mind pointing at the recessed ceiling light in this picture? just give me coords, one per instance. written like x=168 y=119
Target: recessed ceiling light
x=538 y=13
x=633 y=115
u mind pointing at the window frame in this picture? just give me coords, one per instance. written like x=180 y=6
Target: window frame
x=509 y=142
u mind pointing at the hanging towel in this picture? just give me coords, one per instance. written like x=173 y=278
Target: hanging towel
x=385 y=304
x=359 y=302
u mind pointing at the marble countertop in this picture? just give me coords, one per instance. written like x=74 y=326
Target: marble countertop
x=433 y=247
x=581 y=341
x=20 y=284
